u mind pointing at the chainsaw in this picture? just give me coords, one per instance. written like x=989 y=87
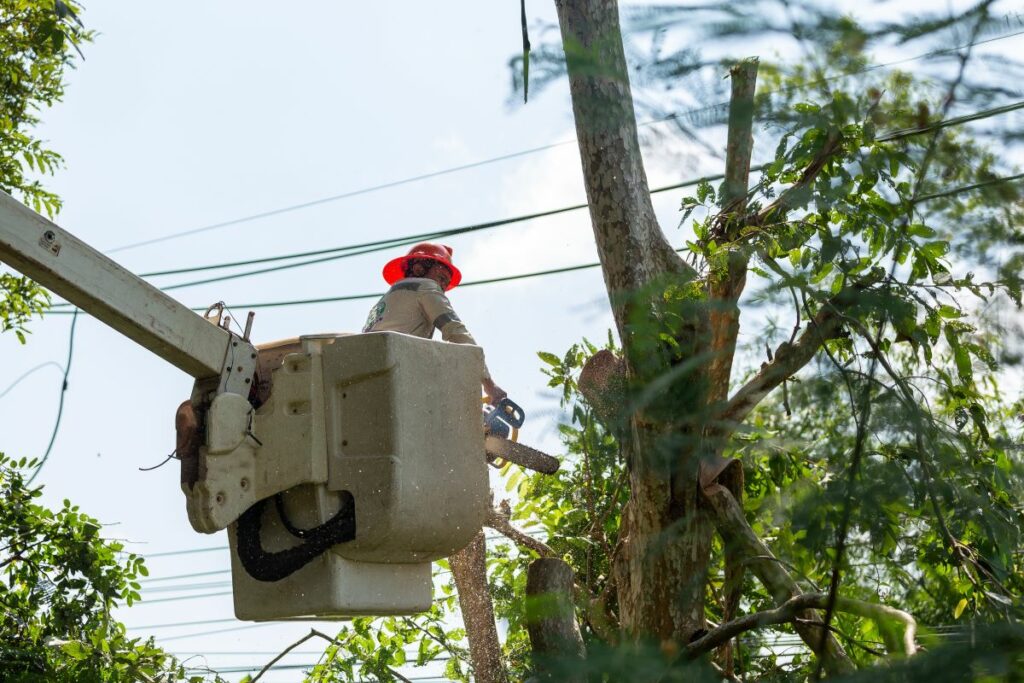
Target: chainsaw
x=501 y=428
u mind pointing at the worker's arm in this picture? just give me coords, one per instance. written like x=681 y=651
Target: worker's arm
x=439 y=310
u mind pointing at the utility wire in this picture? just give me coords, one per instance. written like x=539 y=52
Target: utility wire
x=536 y=533
x=183 y=597
x=29 y=372
x=60 y=404
x=190 y=551
x=386 y=244
x=343 y=195
x=556 y=271
x=512 y=155
x=389 y=245
x=147 y=589
x=153 y=579
x=216 y=631
x=368 y=247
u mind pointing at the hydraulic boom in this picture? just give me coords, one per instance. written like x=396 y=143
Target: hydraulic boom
x=64 y=264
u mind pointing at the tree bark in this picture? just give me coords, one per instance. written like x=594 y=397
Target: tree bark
x=616 y=184
x=729 y=278
x=470 y=571
x=551 y=618
x=662 y=564
x=726 y=282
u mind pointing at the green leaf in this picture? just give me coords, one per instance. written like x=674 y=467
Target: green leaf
x=75 y=650
x=550 y=358
x=960 y=607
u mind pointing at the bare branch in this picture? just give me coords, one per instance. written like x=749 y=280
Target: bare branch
x=313 y=633
x=498 y=519
x=791 y=611
x=737 y=534
x=790 y=358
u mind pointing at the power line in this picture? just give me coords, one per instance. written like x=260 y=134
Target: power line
x=147 y=589
x=221 y=630
x=29 y=372
x=185 y=552
x=153 y=579
x=60 y=404
x=343 y=195
x=378 y=246
x=203 y=622
x=555 y=271
x=385 y=244
x=513 y=155
x=189 y=551
x=358 y=297
x=381 y=247
x=369 y=247
x=968 y=188
x=184 y=597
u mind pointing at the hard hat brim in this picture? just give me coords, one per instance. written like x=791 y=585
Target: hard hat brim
x=394 y=270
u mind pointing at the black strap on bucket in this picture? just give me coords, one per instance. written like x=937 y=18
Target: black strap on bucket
x=274 y=566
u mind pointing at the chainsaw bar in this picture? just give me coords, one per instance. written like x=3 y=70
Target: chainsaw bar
x=524 y=456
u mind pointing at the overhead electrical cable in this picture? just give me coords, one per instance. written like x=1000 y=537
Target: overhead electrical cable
x=523 y=276
x=246 y=627
x=151 y=580
x=513 y=155
x=183 y=597
x=888 y=137
x=369 y=247
x=60 y=403
x=183 y=552
x=178 y=588
x=27 y=373
x=537 y=533
x=343 y=195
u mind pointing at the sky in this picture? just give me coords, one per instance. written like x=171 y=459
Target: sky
x=192 y=114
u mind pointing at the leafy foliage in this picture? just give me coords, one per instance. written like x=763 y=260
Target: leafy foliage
x=38 y=43
x=881 y=233
x=61 y=581
x=20 y=300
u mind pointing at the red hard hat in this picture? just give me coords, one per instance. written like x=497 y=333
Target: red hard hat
x=394 y=270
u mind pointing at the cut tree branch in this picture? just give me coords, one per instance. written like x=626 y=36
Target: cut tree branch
x=790 y=358
x=726 y=284
x=793 y=609
x=498 y=519
x=736 y=532
x=551 y=614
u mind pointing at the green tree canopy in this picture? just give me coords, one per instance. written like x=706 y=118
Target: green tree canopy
x=39 y=42
x=872 y=259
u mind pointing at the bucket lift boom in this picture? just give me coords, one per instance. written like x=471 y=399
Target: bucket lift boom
x=351 y=430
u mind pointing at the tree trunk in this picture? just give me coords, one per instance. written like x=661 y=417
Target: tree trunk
x=661 y=569
x=470 y=571
x=551 y=619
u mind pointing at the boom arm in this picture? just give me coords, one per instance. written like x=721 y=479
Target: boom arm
x=64 y=264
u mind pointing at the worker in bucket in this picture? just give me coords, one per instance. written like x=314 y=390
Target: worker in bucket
x=416 y=303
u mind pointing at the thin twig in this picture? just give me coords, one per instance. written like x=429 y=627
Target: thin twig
x=313 y=633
